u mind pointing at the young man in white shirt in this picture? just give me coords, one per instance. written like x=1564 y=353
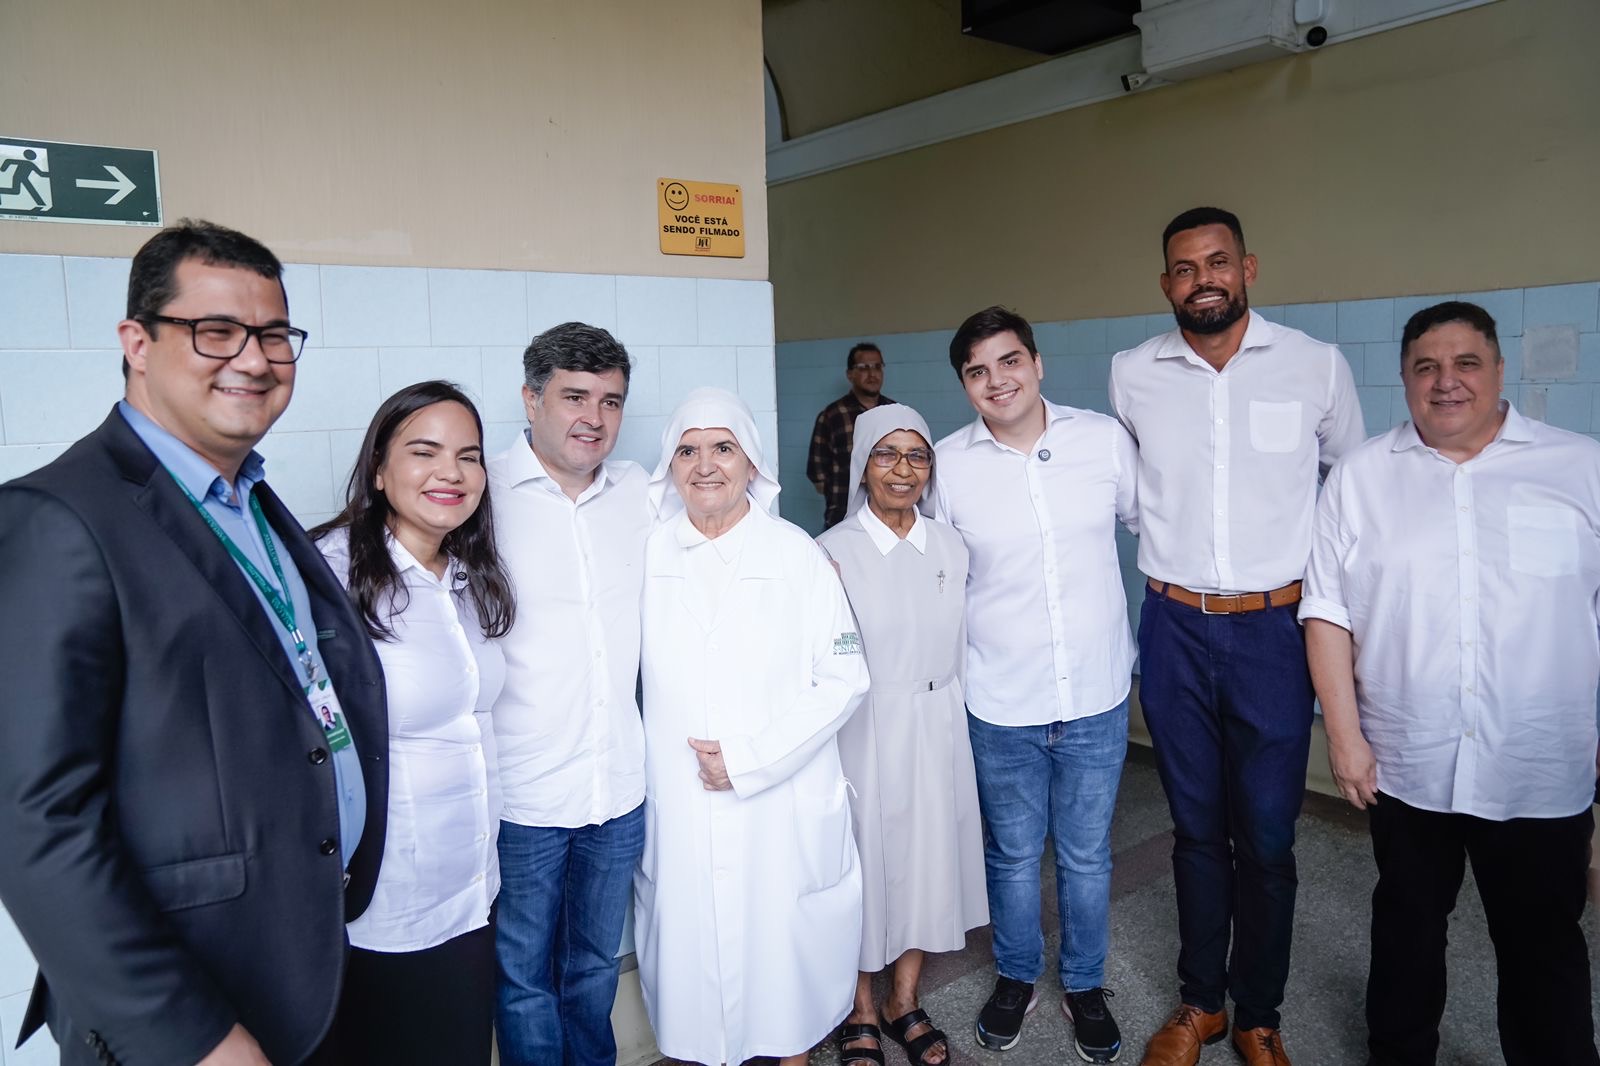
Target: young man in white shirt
x=1235 y=416
x=1451 y=621
x=1036 y=491
x=571 y=528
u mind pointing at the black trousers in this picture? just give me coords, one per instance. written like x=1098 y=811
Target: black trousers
x=1531 y=874
x=419 y=1008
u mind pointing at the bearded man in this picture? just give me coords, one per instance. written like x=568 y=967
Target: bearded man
x=1236 y=418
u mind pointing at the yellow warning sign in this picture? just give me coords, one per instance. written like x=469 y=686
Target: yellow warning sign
x=700 y=218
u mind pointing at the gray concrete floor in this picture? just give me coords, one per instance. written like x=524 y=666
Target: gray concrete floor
x=1323 y=1010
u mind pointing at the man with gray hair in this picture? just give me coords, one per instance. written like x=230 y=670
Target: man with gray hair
x=571 y=527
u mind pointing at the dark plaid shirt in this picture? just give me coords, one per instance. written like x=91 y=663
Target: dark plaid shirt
x=828 y=465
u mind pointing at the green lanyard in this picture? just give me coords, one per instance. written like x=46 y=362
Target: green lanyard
x=281 y=606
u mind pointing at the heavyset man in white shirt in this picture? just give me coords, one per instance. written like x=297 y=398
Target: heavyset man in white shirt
x=1451 y=621
x=1036 y=491
x=571 y=528
x=1234 y=416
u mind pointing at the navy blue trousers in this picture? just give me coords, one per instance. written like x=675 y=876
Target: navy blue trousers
x=1228 y=701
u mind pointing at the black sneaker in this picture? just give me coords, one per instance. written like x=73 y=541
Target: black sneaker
x=1000 y=1021
x=1094 y=1030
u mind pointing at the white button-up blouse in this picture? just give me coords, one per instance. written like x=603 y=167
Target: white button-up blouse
x=440 y=871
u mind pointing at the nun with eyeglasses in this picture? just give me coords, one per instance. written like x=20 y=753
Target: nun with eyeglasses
x=748 y=895
x=906 y=751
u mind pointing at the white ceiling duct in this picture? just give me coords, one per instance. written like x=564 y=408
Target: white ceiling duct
x=1188 y=38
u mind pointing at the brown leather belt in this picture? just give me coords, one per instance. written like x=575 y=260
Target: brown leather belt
x=1244 y=602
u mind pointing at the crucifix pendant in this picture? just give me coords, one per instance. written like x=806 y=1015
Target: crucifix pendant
x=941 y=582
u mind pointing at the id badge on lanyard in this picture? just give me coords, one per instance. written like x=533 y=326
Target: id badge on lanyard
x=320 y=696
x=330 y=716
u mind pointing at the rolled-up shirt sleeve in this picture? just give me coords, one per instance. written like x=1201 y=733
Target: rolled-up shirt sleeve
x=1323 y=595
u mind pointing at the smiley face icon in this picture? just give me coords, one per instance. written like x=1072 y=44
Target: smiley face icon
x=676 y=195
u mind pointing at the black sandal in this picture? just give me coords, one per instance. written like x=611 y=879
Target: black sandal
x=858 y=1031
x=920 y=1046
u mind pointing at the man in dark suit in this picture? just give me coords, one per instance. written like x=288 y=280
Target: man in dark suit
x=183 y=841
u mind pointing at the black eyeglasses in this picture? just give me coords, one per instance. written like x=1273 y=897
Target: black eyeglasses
x=921 y=458
x=223 y=338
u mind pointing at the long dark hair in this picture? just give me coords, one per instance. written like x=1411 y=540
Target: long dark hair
x=375 y=584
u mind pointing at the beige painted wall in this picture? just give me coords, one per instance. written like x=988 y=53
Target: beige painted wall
x=835 y=60
x=1454 y=155
x=522 y=134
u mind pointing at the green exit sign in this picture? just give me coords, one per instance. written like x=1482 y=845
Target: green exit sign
x=51 y=181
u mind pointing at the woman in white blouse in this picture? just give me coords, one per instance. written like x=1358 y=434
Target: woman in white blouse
x=415 y=548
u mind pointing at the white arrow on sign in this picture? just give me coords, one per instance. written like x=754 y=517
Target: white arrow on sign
x=121 y=184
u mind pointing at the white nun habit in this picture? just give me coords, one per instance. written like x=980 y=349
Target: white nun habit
x=747 y=902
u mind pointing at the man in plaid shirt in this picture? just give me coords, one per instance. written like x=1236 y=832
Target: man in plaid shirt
x=828 y=465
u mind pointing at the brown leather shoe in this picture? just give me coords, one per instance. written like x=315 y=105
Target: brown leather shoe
x=1177 y=1042
x=1260 y=1046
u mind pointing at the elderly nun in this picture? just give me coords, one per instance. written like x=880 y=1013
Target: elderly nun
x=748 y=896
x=906 y=752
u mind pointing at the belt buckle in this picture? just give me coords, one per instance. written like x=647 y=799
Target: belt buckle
x=1204 y=609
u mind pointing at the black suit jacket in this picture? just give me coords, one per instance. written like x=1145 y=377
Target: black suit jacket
x=168 y=820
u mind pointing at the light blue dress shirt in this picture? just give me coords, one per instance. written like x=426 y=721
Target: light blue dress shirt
x=226 y=504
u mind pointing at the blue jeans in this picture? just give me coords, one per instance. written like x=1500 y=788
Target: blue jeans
x=564 y=894
x=1062 y=779
x=1228 y=701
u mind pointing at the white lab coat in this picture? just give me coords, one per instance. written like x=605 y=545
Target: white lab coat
x=748 y=902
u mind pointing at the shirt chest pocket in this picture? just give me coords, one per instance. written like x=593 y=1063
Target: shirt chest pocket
x=1543 y=541
x=1274 y=427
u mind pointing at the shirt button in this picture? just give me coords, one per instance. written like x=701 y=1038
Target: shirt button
x=1220 y=421
x=1471 y=733
x=473 y=748
x=472 y=668
x=317 y=756
x=476 y=878
x=328 y=846
x=722 y=875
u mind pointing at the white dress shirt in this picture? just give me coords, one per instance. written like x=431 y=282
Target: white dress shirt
x=440 y=871
x=1470 y=595
x=1047 y=621
x=1229 y=460
x=571 y=742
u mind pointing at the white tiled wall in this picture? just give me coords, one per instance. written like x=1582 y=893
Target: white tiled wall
x=1549 y=336
x=373 y=330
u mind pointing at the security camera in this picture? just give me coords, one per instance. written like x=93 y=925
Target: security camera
x=1136 y=80
x=1316 y=37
